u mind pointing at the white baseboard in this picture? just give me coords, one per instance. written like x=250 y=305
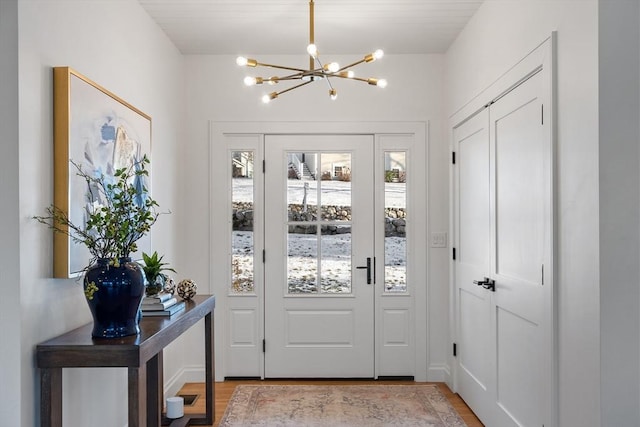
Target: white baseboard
x=188 y=374
x=439 y=373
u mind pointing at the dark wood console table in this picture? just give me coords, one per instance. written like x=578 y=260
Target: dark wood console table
x=142 y=356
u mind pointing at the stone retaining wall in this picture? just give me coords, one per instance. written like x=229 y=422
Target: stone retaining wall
x=395 y=219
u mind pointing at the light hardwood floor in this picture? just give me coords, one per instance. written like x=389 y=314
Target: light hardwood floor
x=225 y=389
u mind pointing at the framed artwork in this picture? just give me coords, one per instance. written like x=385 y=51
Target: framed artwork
x=100 y=132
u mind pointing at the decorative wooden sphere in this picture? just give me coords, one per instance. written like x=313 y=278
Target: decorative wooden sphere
x=187 y=289
x=169 y=285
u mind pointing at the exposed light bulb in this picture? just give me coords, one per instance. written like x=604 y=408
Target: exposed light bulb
x=377 y=82
x=333 y=94
x=246 y=62
x=267 y=98
x=249 y=81
x=333 y=67
x=312 y=50
x=373 y=56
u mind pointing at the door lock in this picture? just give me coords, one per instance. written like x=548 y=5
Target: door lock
x=368 y=267
x=487 y=283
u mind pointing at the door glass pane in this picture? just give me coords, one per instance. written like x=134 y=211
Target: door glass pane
x=302 y=186
x=327 y=271
x=242 y=187
x=336 y=186
x=302 y=262
x=395 y=209
x=335 y=276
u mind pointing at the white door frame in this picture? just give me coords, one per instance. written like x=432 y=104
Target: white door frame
x=220 y=208
x=541 y=59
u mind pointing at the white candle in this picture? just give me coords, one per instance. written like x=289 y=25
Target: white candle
x=175 y=407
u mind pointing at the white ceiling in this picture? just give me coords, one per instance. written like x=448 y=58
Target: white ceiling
x=282 y=26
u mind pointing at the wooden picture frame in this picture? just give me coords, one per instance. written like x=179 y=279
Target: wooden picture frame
x=99 y=131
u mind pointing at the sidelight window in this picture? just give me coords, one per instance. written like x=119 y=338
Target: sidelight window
x=242 y=242
x=395 y=217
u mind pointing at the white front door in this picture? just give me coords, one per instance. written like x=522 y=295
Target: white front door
x=319 y=298
x=504 y=241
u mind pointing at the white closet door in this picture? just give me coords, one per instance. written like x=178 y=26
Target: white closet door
x=473 y=263
x=502 y=271
x=521 y=244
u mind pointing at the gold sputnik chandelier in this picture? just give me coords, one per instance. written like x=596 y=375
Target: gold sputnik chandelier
x=317 y=70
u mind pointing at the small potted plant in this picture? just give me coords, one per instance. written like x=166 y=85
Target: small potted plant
x=153 y=268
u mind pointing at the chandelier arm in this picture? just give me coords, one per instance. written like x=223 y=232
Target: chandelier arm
x=338 y=76
x=299 y=75
x=327 y=79
x=288 y=78
x=294 y=87
x=360 y=79
x=351 y=65
x=320 y=70
x=295 y=76
x=329 y=83
x=281 y=67
x=316 y=70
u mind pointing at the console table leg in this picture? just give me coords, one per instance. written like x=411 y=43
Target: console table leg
x=51 y=397
x=209 y=368
x=155 y=385
x=137 y=392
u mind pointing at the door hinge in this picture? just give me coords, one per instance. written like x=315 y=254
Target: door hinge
x=542 y=115
x=264 y=256
x=264 y=166
x=264 y=346
x=455 y=349
x=454 y=254
x=453 y=157
x=543 y=274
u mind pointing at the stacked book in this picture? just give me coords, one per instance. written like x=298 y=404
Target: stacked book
x=162 y=304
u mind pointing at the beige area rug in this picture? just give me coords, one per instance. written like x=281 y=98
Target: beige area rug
x=334 y=406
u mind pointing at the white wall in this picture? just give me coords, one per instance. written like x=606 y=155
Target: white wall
x=496 y=38
x=215 y=91
x=619 y=68
x=118 y=46
x=9 y=214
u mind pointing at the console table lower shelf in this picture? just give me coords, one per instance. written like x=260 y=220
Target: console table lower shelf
x=142 y=356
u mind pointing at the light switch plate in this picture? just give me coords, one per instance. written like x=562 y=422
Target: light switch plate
x=439 y=239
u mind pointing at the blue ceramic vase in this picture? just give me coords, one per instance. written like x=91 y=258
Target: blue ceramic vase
x=114 y=294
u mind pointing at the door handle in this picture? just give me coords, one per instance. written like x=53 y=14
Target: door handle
x=487 y=283
x=481 y=282
x=368 y=267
